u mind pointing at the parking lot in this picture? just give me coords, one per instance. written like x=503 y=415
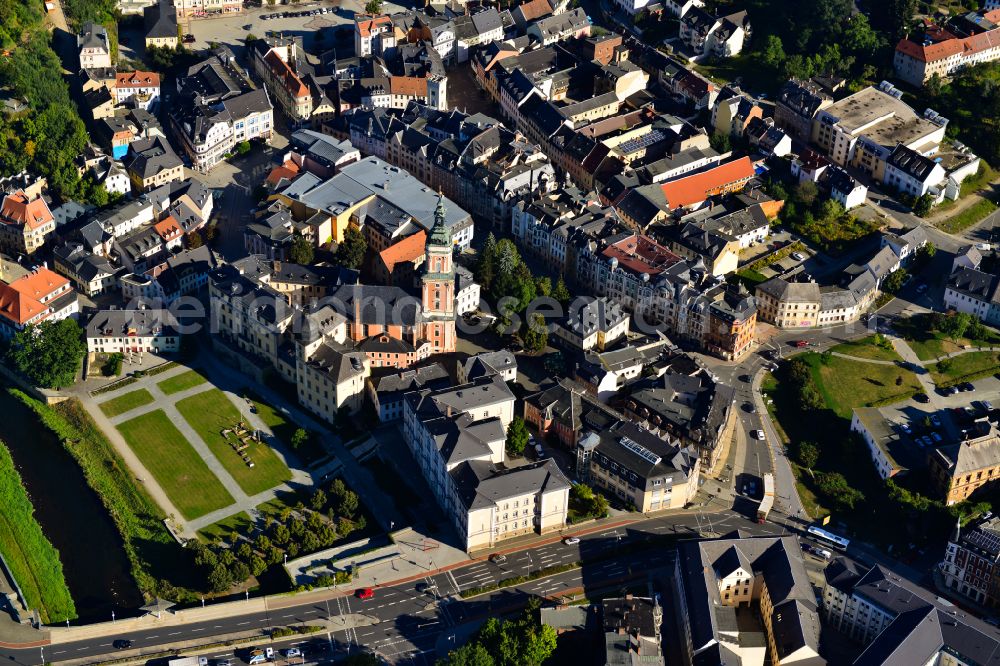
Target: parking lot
x=292 y=20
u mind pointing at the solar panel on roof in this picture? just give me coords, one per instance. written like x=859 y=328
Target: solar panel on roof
x=640 y=451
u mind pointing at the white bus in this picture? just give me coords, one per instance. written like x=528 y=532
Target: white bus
x=838 y=542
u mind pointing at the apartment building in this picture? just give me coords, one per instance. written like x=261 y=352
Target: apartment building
x=788 y=304
x=93 y=47
x=971 y=564
x=704 y=35
x=974 y=292
x=25 y=222
x=713 y=579
x=143 y=88
x=900 y=622
x=457 y=436
x=152 y=163
x=593 y=323
x=797 y=104
x=386 y=391
x=41 y=295
x=643 y=470
x=959 y=468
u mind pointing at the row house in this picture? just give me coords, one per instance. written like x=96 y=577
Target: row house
x=41 y=295
x=943 y=51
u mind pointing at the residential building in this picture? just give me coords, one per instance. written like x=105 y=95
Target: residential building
x=567 y=25
x=594 y=323
x=881 y=439
x=93 y=46
x=457 y=436
x=797 y=104
x=788 y=304
x=141 y=88
x=974 y=292
x=911 y=173
x=632 y=631
x=41 y=295
x=132 y=332
x=971 y=564
x=25 y=223
x=152 y=163
x=694 y=190
x=331 y=380
x=199 y=8
x=91 y=274
x=704 y=35
x=959 y=468
x=642 y=470
x=899 y=622
x=161 y=25
x=487 y=364
x=386 y=390
x=716 y=582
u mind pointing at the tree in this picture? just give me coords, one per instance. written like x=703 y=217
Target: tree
x=895 y=280
x=243 y=147
x=517 y=437
x=302 y=250
x=536 y=337
x=955 y=325
x=561 y=291
x=351 y=252
x=220 y=578
x=257 y=565
x=773 y=54
x=281 y=534
x=543 y=286
x=318 y=500
x=836 y=488
x=299 y=439
x=349 y=504
x=933 y=85
x=808 y=455
x=721 y=142
x=806 y=192
x=271 y=3
x=193 y=240
x=338 y=488
x=49 y=353
x=470 y=654
x=373 y=7
x=922 y=206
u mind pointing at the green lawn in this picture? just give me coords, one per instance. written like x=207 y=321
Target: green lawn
x=847 y=384
x=181 y=382
x=126 y=403
x=180 y=471
x=866 y=348
x=756 y=78
x=928 y=344
x=211 y=412
x=964 y=365
x=238 y=522
x=968 y=217
x=283 y=428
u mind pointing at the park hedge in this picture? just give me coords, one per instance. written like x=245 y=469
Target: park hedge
x=33 y=560
x=138 y=518
x=972 y=376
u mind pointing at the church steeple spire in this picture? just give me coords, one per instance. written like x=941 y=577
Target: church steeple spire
x=440 y=233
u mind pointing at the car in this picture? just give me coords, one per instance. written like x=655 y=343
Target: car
x=987 y=405
x=257 y=657
x=953 y=390
x=293 y=652
x=799 y=343
x=798 y=256
x=749 y=408
x=759 y=435
x=922 y=288
x=966 y=386
x=936 y=420
x=925 y=441
x=937 y=437
x=807 y=548
x=984 y=246
x=223 y=662
x=364 y=593
x=905 y=428
x=571 y=541
x=188 y=39
x=497 y=558
x=122 y=644
x=922 y=398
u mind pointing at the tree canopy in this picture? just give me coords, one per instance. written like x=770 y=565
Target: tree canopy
x=351 y=252
x=517 y=437
x=49 y=353
x=302 y=251
x=523 y=641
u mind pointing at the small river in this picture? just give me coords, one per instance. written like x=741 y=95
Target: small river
x=71 y=515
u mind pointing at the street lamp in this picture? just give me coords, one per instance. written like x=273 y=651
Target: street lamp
x=112 y=617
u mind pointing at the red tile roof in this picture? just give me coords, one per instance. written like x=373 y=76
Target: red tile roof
x=641 y=254
x=137 y=79
x=410 y=248
x=19 y=210
x=410 y=86
x=367 y=24
x=288 y=78
x=535 y=9
x=698 y=187
x=21 y=300
x=967 y=46
x=17 y=307
x=288 y=170
x=168 y=228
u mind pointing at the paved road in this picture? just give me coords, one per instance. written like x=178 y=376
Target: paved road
x=411 y=622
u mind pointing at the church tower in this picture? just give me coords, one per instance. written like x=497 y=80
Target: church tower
x=438 y=285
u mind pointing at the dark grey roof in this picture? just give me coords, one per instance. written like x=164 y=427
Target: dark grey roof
x=148 y=157
x=242 y=106
x=339 y=365
x=161 y=20
x=912 y=163
x=392 y=386
x=116 y=323
x=487 y=20
x=588 y=316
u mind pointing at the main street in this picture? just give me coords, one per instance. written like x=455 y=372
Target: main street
x=406 y=620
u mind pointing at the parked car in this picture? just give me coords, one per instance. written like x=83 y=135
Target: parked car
x=571 y=541
x=749 y=408
x=293 y=652
x=798 y=256
x=188 y=39
x=364 y=593
x=799 y=343
x=937 y=437
x=921 y=288
x=987 y=405
x=257 y=657
x=905 y=428
x=966 y=386
x=759 y=435
x=922 y=398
